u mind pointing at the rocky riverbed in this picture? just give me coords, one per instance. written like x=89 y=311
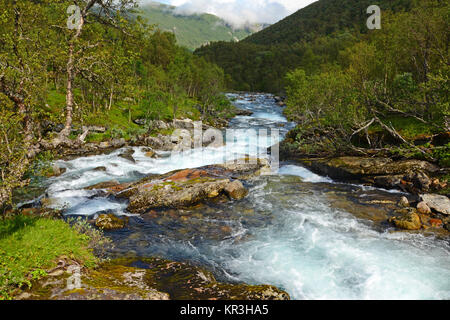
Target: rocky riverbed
x=338 y=233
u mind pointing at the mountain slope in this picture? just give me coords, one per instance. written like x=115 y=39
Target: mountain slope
x=323 y=18
x=193 y=31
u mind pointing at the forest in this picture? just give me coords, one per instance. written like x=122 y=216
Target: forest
x=350 y=89
x=109 y=68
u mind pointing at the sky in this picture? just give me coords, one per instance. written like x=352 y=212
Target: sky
x=240 y=12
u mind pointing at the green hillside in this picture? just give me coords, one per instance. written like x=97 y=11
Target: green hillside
x=323 y=17
x=311 y=39
x=193 y=31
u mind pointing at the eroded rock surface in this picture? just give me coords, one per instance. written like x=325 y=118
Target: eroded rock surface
x=147 y=279
x=185 y=188
x=408 y=175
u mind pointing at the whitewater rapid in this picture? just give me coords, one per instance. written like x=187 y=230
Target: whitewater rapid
x=286 y=232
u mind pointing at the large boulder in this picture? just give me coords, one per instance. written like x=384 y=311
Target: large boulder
x=185 y=188
x=407 y=175
x=438 y=203
x=175 y=194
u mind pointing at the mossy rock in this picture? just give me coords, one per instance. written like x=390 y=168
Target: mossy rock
x=148 y=279
x=110 y=222
x=407 y=220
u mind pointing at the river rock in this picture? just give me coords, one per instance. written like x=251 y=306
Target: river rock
x=236 y=190
x=245 y=168
x=128 y=155
x=149 y=152
x=423 y=208
x=185 y=188
x=110 y=222
x=438 y=203
x=183 y=124
x=404 y=202
x=407 y=175
x=171 y=194
x=100 y=169
x=407 y=220
x=55 y=171
x=104 y=185
x=242 y=112
x=147 y=279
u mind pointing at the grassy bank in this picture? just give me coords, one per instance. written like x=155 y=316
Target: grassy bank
x=31 y=245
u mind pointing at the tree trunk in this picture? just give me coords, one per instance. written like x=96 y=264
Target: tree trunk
x=70 y=79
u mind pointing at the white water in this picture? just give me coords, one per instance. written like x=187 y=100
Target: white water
x=309 y=248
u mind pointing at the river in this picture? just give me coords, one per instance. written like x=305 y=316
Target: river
x=304 y=233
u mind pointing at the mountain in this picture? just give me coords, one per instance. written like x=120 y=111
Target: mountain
x=311 y=38
x=193 y=31
x=322 y=18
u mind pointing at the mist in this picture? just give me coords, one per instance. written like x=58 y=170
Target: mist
x=239 y=13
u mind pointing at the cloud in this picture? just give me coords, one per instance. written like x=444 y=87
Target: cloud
x=240 y=12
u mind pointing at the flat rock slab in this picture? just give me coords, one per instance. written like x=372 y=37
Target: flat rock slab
x=185 y=188
x=438 y=203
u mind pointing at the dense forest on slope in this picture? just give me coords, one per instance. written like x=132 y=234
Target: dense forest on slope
x=323 y=18
x=372 y=92
x=106 y=70
x=192 y=31
x=310 y=38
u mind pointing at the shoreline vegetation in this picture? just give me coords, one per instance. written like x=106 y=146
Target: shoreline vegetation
x=371 y=108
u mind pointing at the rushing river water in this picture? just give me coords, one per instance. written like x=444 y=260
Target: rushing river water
x=301 y=232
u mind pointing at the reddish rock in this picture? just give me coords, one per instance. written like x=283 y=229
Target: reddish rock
x=436 y=223
x=186 y=175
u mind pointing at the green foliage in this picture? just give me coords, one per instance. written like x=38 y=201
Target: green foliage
x=323 y=18
x=349 y=86
x=29 y=246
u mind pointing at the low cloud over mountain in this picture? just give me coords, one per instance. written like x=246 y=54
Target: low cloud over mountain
x=240 y=13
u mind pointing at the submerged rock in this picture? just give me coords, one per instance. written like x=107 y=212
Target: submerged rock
x=110 y=222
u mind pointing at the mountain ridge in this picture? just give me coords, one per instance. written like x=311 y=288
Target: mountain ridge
x=193 y=30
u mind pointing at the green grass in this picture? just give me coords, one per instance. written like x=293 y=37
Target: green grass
x=30 y=245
